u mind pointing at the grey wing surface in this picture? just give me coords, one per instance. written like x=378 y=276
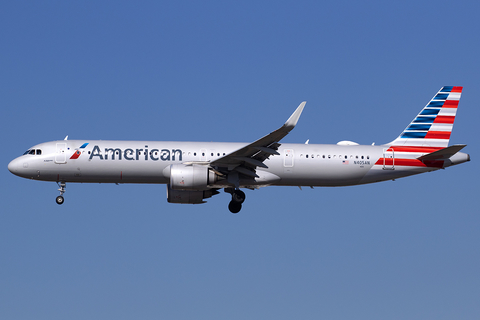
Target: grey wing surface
x=246 y=159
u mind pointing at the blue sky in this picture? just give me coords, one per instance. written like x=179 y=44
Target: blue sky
x=234 y=71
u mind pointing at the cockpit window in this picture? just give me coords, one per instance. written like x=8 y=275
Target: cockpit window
x=33 y=152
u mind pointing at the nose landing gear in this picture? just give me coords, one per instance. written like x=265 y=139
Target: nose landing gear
x=238 y=197
x=60 y=198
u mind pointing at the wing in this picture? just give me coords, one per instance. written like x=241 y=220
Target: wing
x=244 y=161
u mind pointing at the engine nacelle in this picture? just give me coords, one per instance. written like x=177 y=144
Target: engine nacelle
x=185 y=196
x=190 y=177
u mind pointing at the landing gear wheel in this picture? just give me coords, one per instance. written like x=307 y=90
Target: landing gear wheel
x=234 y=207
x=62 y=186
x=238 y=196
x=59 y=200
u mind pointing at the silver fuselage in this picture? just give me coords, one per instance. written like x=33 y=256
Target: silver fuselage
x=104 y=161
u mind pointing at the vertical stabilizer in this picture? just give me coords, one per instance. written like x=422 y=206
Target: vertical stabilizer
x=433 y=125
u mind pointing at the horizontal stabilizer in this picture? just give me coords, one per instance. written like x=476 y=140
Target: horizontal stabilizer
x=443 y=153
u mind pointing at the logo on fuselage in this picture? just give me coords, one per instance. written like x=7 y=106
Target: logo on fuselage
x=136 y=154
x=78 y=151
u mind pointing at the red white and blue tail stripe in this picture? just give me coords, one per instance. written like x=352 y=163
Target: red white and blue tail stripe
x=433 y=125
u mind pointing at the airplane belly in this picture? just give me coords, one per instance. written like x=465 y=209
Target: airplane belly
x=379 y=173
x=120 y=172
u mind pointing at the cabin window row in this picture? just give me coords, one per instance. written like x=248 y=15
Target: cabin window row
x=203 y=154
x=140 y=153
x=329 y=156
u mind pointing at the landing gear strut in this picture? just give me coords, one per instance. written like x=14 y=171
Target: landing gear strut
x=62 y=186
x=238 y=197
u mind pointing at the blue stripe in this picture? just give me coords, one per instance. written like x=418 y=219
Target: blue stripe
x=84 y=145
x=419 y=127
x=429 y=112
x=435 y=104
x=447 y=89
x=408 y=135
x=441 y=96
x=424 y=120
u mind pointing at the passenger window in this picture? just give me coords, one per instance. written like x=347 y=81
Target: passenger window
x=306 y=156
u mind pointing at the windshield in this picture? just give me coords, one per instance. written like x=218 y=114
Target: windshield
x=33 y=152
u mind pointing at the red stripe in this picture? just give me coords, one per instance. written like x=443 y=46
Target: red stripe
x=444 y=119
x=438 y=135
x=75 y=155
x=457 y=89
x=416 y=149
x=411 y=163
x=450 y=104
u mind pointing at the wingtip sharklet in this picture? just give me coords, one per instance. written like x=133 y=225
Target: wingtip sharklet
x=292 y=121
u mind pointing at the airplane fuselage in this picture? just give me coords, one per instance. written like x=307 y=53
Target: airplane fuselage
x=104 y=161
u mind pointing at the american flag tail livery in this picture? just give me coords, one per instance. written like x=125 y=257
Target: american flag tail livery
x=424 y=143
x=433 y=125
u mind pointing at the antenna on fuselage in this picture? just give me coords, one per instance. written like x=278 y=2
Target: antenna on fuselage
x=66 y=138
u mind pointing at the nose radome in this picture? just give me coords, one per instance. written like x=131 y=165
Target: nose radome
x=10 y=166
x=13 y=166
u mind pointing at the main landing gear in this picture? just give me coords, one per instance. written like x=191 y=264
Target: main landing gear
x=62 y=186
x=238 y=197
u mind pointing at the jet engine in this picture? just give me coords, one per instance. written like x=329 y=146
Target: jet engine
x=190 y=177
x=185 y=196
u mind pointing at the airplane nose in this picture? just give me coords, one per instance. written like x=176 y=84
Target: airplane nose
x=14 y=166
x=11 y=166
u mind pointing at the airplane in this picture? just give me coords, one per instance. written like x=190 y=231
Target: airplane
x=195 y=171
